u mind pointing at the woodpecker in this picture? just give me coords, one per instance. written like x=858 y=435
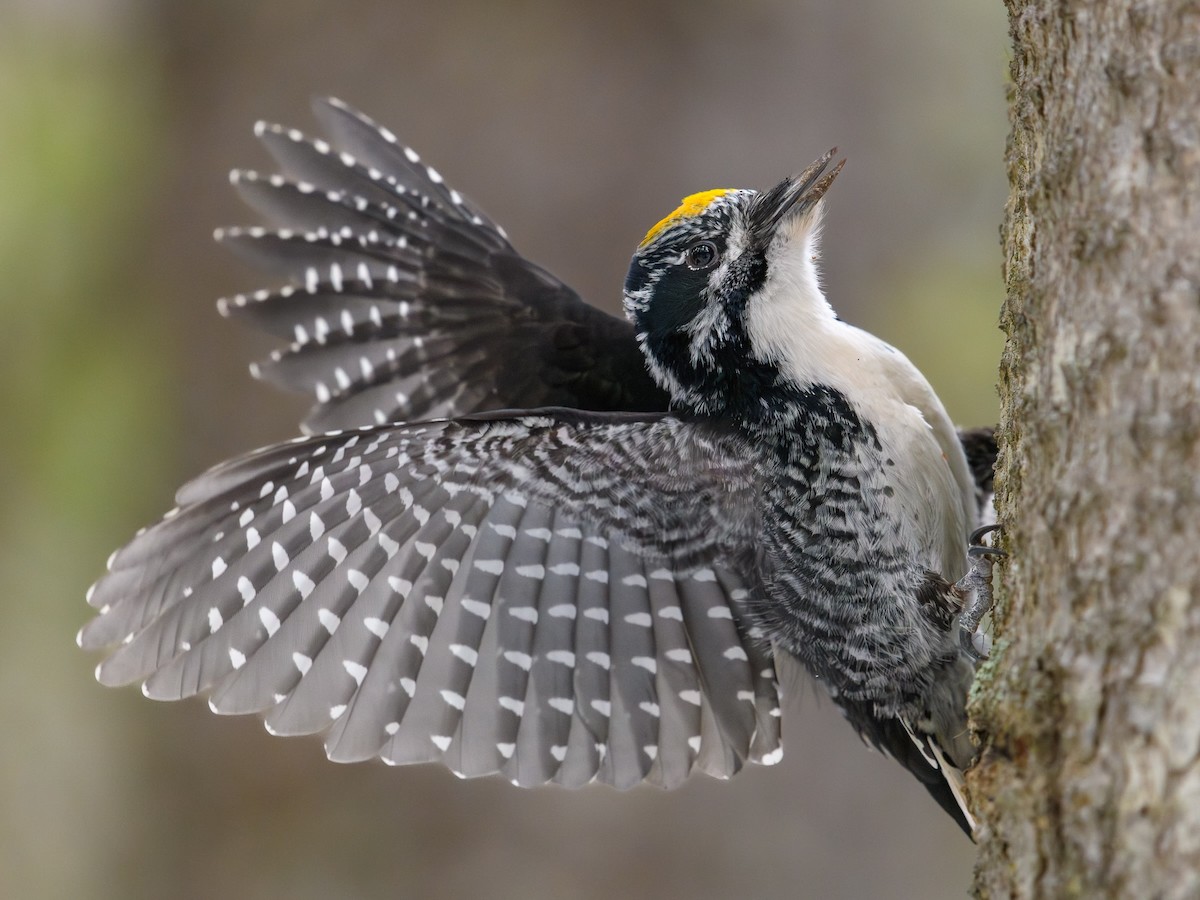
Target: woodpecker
x=522 y=536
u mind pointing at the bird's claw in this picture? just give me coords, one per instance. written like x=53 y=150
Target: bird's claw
x=977 y=584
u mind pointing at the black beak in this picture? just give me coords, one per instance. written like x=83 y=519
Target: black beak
x=794 y=196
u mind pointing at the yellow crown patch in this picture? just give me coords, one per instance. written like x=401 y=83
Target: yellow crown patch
x=691 y=206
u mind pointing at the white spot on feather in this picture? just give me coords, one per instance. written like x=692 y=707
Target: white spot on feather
x=477 y=608
x=303 y=583
x=469 y=655
x=246 y=589
x=328 y=619
x=517 y=658
x=270 y=620
x=564 y=705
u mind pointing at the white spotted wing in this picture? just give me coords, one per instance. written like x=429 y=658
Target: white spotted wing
x=403 y=301
x=555 y=596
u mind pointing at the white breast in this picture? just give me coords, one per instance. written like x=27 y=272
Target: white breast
x=792 y=325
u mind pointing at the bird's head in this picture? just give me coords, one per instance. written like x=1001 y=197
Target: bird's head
x=722 y=289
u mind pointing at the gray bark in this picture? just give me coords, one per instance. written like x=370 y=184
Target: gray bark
x=1089 y=785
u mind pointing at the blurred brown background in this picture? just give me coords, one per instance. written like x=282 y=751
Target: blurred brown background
x=574 y=125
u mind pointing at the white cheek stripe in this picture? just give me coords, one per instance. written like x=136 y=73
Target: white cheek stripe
x=711 y=325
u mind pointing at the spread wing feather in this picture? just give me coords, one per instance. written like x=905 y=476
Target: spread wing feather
x=556 y=596
x=404 y=301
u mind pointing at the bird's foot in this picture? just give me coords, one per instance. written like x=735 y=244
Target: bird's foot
x=977 y=585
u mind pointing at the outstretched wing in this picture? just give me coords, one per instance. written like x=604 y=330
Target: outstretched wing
x=404 y=302
x=552 y=595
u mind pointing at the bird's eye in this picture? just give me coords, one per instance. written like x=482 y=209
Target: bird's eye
x=701 y=256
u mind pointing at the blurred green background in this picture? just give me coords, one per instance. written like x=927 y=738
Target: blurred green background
x=574 y=125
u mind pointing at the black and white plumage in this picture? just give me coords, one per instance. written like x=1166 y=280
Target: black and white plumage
x=452 y=591
x=591 y=587
x=404 y=301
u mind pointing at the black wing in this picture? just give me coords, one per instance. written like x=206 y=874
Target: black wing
x=550 y=595
x=404 y=302
x=979 y=444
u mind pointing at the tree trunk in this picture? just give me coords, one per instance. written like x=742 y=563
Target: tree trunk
x=1089 y=785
